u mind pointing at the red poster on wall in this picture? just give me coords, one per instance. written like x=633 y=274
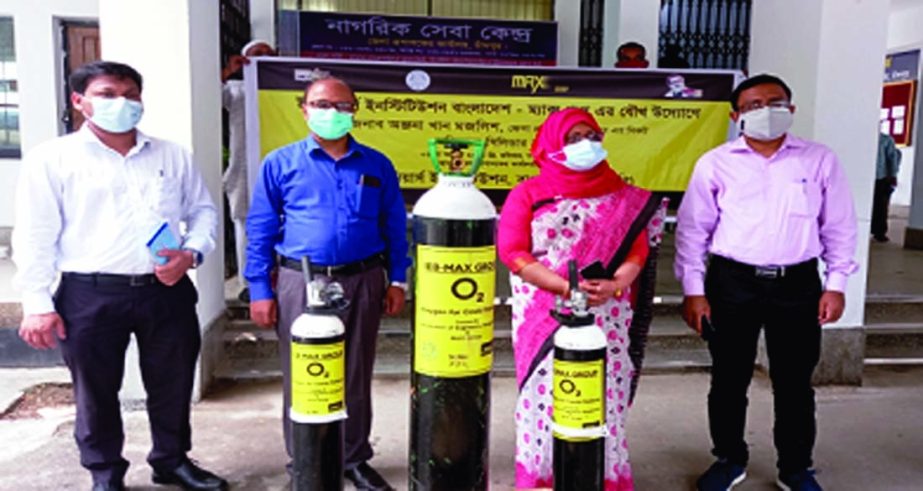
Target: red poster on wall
x=897 y=110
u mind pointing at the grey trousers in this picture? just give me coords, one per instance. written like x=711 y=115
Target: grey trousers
x=366 y=293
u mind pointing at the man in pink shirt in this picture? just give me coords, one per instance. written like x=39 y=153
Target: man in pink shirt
x=761 y=211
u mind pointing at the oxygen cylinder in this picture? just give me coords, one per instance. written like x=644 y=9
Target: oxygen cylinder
x=455 y=272
x=318 y=405
x=578 y=397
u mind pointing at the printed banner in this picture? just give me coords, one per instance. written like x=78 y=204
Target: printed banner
x=657 y=123
x=418 y=39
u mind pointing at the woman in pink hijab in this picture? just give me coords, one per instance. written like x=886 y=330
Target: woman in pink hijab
x=577 y=208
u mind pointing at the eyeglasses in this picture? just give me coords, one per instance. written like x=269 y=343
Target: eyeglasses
x=753 y=106
x=576 y=137
x=343 y=107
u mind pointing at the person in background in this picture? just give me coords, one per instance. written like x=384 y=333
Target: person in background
x=577 y=208
x=338 y=202
x=672 y=57
x=760 y=211
x=236 y=184
x=887 y=167
x=86 y=206
x=631 y=55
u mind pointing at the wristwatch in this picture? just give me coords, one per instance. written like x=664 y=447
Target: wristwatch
x=196 y=256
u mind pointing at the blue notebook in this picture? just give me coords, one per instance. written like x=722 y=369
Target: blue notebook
x=162 y=239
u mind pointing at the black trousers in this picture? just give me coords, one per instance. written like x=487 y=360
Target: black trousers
x=99 y=319
x=881 y=201
x=787 y=307
x=365 y=292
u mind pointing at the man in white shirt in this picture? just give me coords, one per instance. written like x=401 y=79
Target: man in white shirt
x=86 y=206
x=236 y=184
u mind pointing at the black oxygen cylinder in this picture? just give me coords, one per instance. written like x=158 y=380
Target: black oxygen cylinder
x=453 y=323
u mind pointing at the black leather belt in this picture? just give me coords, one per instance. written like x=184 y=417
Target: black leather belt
x=105 y=279
x=336 y=270
x=768 y=272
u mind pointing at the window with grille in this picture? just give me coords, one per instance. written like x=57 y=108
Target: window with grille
x=705 y=33
x=590 y=52
x=9 y=92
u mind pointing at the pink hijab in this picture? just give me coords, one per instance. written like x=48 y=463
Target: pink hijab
x=514 y=240
x=555 y=179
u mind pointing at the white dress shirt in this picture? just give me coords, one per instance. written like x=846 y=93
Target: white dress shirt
x=83 y=207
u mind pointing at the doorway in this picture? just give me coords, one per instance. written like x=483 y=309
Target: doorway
x=80 y=45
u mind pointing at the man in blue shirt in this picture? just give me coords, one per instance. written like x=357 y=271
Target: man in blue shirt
x=887 y=167
x=338 y=202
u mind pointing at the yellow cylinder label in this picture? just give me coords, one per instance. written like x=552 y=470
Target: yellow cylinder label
x=454 y=310
x=318 y=385
x=579 y=407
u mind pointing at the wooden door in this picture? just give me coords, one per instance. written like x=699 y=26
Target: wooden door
x=81 y=46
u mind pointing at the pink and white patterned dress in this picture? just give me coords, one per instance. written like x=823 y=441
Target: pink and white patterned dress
x=588 y=230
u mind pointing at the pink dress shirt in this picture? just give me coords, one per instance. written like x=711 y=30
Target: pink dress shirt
x=776 y=211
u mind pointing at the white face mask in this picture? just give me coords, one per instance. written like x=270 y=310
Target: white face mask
x=116 y=114
x=766 y=123
x=583 y=155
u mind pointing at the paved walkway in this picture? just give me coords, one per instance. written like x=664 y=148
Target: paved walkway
x=870 y=437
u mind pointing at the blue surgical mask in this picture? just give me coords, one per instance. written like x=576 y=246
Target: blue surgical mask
x=116 y=114
x=583 y=155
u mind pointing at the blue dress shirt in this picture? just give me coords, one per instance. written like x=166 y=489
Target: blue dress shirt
x=334 y=211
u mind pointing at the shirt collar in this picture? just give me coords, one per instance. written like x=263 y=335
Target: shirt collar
x=312 y=145
x=791 y=141
x=86 y=135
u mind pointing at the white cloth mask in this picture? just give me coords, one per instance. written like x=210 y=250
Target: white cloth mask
x=766 y=123
x=583 y=155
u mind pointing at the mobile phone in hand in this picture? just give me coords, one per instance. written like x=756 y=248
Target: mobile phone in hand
x=708 y=330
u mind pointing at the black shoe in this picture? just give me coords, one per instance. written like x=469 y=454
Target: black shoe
x=190 y=477
x=244 y=295
x=364 y=477
x=881 y=238
x=108 y=486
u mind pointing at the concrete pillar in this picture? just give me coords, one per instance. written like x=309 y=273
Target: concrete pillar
x=567 y=14
x=913 y=166
x=913 y=237
x=175 y=46
x=630 y=20
x=263 y=20
x=904 y=34
x=832 y=54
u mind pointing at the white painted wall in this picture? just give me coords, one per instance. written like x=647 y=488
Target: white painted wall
x=40 y=82
x=568 y=16
x=835 y=73
x=182 y=99
x=630 y=20
x=904 y=33
x=263 y=20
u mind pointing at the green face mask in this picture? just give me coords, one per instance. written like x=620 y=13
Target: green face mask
x=329 y=124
